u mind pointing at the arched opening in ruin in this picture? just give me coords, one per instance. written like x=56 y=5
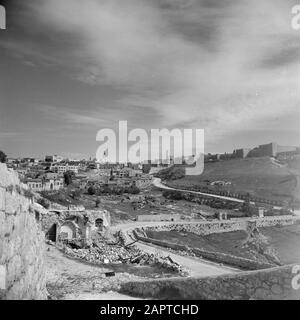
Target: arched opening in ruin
x=222 y=215
x=51 y=186
x=51 y=233
x=68 y=231
x=37 y=216
x=99 y=224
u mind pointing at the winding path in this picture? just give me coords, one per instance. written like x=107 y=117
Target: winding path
x=157 y=183
x=195 y=266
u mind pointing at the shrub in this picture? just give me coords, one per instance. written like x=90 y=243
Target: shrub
x=10 y=188
x=43 y=203
x=68 y=177
x=174 y=195
x=28 y=193
x=97 y=202
x=2 y=157
x=75 y=194
x=133 y=190
x=91 y=190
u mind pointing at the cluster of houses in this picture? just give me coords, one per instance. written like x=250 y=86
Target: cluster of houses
x=116 y=177
x=44 y=183
x=48 y=174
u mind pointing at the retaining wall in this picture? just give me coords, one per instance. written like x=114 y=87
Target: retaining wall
x=271 y=284
x=204 y=227
x=220 y=226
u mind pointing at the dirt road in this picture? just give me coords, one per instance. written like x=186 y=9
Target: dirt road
x=157 y=183
x=195 y=266
x=72 y=279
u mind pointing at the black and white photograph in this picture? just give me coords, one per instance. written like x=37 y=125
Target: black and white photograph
x=149 y=152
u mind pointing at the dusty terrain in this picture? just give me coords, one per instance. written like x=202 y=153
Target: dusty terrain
x=70 y=279
x=74 y=279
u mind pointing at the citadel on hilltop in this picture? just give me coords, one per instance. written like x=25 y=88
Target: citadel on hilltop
x=264 y=150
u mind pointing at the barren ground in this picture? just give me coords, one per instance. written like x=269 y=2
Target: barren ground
x=72 y=279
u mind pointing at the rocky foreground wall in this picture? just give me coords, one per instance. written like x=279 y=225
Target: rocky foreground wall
x=21 y=242
x=271 y=284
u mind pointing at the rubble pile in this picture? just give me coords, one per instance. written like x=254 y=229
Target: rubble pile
x=164 y=262
x=144 y=201
x=103 y=253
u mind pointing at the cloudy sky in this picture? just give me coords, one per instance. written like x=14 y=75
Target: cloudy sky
x=70 y=67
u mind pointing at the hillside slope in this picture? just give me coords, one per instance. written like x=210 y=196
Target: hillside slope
x=262 y=177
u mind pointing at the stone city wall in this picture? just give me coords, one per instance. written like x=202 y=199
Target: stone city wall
x=21 y=242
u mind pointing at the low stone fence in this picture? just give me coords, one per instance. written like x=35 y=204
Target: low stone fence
x=219 y=226
x=203 y=227
x=164 y=244
x=272 y=284
x=274 y=221
x=239 y=262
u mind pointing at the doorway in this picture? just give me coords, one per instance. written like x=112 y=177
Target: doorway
x=51 y=233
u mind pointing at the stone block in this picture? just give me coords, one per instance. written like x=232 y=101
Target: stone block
x=2 y=199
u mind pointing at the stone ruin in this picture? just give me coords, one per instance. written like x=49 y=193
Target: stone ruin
x=67 y=225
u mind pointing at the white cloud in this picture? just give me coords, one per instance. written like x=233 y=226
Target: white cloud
x=219 y=79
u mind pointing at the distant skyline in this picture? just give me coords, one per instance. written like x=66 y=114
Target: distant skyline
x=70 y=68
x=42 y=157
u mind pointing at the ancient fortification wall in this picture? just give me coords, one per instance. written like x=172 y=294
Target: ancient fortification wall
x=21 y=241
x=274 y=283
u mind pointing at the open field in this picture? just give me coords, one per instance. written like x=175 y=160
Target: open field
x=228 y=242
x=284 y=241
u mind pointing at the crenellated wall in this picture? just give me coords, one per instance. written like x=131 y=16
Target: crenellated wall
x=21 y=241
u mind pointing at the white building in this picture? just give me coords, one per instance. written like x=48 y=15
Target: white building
x=45 y=184
x=54 y=158
x=61 y=168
